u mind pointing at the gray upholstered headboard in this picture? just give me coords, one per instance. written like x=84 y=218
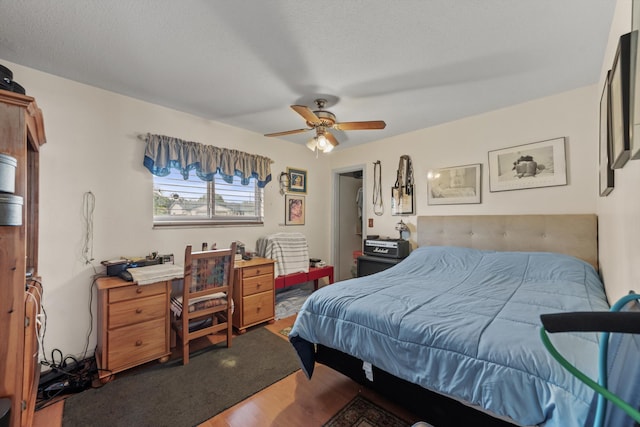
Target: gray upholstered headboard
x=572 y=234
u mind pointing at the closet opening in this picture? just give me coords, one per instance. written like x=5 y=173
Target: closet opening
x=349 y=219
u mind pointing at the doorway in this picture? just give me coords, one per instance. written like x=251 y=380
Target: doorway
x=348 y=219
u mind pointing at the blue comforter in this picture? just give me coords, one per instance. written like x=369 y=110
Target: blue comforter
x=465 y=323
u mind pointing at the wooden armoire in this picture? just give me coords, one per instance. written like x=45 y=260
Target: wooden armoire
x=21 y=136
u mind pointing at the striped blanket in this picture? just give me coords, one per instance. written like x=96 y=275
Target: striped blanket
x=156 y=273
x=290 y=250
x=201 y=303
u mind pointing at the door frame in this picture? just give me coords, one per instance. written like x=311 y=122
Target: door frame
x=335 y=217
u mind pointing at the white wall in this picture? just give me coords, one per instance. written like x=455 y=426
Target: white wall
x=92 y=145
x=572 y=115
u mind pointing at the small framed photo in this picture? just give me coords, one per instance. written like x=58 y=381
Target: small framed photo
x=294 y=210
x=297 y=180
x=454 y=185
x=539 y=164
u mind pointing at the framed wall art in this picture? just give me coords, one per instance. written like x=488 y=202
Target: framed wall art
x=620 y=96
x=402 y=200
x=297 y=180
x=635 y=77
x=294 y=208
x=539 y=164
x=454 y=185
x=606 y=172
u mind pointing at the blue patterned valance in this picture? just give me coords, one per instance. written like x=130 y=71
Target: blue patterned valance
x=164 y=152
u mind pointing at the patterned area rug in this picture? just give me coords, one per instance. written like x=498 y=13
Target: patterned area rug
x=361 y=412
x=286 y=331
x=289 y=301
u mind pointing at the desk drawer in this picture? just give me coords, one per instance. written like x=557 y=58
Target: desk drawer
x=135 y=344
x=137 y=310
x=254 y=285
x=258 y=308
x=257 y=270
x=136 y=291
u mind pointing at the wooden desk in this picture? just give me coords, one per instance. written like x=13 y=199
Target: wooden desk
x=133 y=324
x=134 y=321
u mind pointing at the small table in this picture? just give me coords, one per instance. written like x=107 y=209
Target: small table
x=314 y=273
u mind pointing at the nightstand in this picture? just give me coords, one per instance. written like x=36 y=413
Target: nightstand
x=133 y=324
x=253 y=293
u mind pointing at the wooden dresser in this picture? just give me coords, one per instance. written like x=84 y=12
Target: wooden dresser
x=253 y=293
x=133 y=324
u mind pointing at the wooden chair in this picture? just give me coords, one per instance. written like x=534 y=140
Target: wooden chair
x=205 y=310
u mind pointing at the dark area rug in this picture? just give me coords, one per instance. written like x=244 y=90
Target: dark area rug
x=361 y=412
x=171 y=394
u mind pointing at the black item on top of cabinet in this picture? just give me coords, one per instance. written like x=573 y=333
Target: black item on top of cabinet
x=7 y=82
x=5 y=72
x=15 y=87
x=6 y=78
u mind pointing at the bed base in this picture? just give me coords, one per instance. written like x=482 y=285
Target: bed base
x=431 y=407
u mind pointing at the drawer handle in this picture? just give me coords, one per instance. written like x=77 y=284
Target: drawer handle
x=138 y=343
x=138 y=310
x=139 y=290
x=258 y=271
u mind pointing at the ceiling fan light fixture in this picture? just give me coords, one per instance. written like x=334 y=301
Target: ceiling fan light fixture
x=322 y=121
x=322 y=142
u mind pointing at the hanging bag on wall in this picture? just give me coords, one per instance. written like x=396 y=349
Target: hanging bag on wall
x=402 y=193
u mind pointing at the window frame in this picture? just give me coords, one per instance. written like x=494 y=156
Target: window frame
x=211 y=220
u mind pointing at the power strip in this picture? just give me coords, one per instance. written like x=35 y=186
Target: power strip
x=72 y=378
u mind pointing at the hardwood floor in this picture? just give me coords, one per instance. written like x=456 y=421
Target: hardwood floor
x=292 y=401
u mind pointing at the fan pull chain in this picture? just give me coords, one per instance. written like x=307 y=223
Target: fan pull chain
x=378 y=207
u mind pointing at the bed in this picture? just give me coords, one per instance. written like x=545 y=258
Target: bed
x=452 y=332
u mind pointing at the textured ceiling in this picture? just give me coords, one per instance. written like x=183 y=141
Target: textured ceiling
x=412 y=63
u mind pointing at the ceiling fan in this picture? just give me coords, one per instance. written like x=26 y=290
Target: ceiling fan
x=322 y=121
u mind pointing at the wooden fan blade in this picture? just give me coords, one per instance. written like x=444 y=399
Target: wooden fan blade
x=375 y=124
x=307 y=114
x=287 y=132
x=332 y=139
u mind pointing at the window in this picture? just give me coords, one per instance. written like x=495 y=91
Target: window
x=177 y=201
